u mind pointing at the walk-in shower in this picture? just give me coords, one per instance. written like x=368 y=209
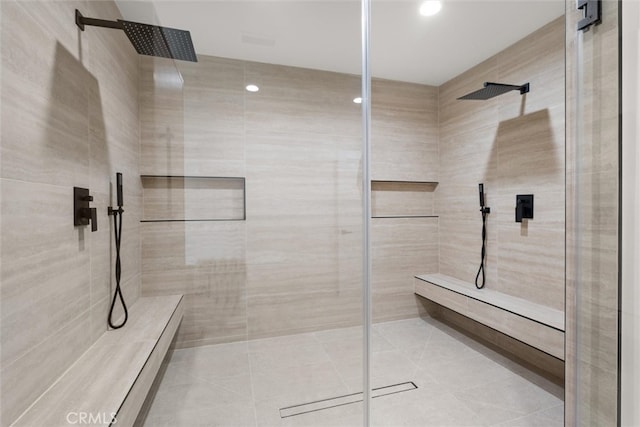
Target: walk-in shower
x=262 y=226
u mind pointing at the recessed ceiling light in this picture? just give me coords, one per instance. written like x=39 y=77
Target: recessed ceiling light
x=252 y=88
x=357 y=100
x=430 y=7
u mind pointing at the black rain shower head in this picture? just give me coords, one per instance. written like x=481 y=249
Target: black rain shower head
x=148 y=39
x=491 y=90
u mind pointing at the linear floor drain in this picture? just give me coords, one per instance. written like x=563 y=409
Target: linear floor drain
x=347 y=399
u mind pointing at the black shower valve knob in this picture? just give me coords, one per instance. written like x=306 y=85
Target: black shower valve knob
x=82 y=213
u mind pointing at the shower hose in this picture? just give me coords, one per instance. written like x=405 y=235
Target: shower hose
x=483 y=252
x=117 y=227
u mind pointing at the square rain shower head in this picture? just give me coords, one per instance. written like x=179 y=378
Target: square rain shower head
x=491 y=90
x=165 y=42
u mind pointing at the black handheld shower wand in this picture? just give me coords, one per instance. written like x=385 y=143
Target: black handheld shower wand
x=117 y=227
x=483 y=254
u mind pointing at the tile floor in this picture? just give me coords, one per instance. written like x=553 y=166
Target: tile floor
x=461 y=382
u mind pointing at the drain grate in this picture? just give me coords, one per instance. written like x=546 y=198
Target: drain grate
x=347 y=399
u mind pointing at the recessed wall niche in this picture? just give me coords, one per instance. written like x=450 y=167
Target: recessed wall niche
x=192 y=198
x=402 y=199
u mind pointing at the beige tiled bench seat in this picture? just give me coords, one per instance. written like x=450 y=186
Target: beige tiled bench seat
x=115 y=374
x=534 y=324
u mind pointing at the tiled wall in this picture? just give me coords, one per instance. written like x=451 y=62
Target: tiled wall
x=592 y=219
x=294 y=265
x=69 y=118
x=514 y=145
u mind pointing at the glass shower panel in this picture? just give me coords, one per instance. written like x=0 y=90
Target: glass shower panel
x=255 y=215
x=593 y=228
x=445 y=352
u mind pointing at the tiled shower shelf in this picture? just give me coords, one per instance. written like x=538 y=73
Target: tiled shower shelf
x=404 y=216
x=402 y=199
x=115 y=374
x=377 y=182
x=172 y=198
x=534 y=324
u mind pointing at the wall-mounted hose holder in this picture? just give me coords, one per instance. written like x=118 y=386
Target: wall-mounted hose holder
x=484 y=210
x=82 y=213
x=117 y=229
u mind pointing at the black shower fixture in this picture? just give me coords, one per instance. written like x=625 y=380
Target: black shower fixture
x=484 y=210
x=117 y=230
x=491 y=90
x=148 y=39
x=524 y=207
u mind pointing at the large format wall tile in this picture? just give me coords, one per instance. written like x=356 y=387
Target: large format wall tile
x=205 y=261
x=404 y=131
x=400 y=248
x=298 y=143
x=514 y=144
x=69 y=118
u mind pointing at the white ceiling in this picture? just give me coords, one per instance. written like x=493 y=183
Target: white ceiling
x=326 y=34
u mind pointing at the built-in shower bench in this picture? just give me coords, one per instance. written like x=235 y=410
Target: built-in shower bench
x=534 y=324
x=115 y=374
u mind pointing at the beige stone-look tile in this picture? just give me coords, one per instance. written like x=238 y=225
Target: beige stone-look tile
x=162 y=143
x=295 y=385
x=352 y=348
x=268 y=414
x=506 y=400
x=287 y=356
x=431 y=409
x=202 y=326
x=553 y=417
x=70 y=118
x=405 y=334
x=26 y=378
x=37 y=302
x=282 y=105
x=458 y=116
x=213 y=73
x=270 y=315
x=388 y=367
x=219 y=110
x=541 y=252
x=136 y=351
x=294 y=382
x=404 y=131
x=229 y=149
x=455 y=376
x=47 y=140
x=545 y=364
x=401 y=247
x=99 y=312
x=213 y=364
x=294 y=83
x=514 y=145
x=206 y=264
x=199 y=404
x=439 y=350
